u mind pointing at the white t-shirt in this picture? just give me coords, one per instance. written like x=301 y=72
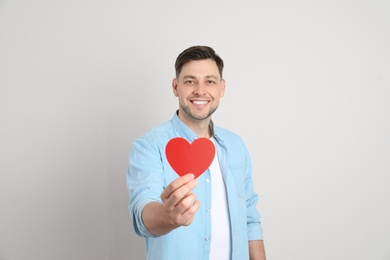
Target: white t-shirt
x=220 y=248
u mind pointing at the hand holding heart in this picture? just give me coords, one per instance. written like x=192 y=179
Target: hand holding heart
x=195 y=158
x=179 y=203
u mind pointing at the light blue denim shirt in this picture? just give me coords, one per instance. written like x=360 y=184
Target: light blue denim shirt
x=149 y=173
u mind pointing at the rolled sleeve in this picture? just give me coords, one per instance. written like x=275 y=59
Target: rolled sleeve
x=138 y=224
x=144 y=181
x=255 y=231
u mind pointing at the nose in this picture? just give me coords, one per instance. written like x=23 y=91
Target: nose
x=200 y=89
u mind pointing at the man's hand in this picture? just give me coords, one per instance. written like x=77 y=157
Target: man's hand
x=178 y=207
x=179 y=203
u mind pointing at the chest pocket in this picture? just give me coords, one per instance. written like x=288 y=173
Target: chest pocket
x=238 y=172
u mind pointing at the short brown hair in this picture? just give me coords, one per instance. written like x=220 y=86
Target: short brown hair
x=197 y=53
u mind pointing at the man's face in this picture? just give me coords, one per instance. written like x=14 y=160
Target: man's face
x=199 y=88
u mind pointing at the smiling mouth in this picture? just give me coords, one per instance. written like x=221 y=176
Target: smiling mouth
x=200 y=102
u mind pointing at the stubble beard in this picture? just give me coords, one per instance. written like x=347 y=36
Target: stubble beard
x=187 y=110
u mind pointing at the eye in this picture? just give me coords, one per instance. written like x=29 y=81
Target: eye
x=211 y=82
x=189 y=82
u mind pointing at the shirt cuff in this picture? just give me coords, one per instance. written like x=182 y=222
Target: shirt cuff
x=138 y=223
x=255 y=232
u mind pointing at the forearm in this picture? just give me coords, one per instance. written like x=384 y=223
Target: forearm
x=256 y=250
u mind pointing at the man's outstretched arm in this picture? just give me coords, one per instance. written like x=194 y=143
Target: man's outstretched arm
x=256 y=250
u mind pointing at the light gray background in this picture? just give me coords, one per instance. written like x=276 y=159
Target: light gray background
x=307 y=89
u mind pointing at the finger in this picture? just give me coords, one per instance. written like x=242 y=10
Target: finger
x=184 y=204
x=185 y=217
x=178 y=195
x=174 y=185
x=188 y=216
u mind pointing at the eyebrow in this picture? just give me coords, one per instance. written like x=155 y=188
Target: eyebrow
x=193 y=77
x=188 y=77
x=212 y=77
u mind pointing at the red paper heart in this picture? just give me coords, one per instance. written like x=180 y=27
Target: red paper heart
x=187 y=158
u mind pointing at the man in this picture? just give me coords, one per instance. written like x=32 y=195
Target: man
x=213 y=216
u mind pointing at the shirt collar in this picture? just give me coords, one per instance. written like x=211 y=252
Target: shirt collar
x=186 y=132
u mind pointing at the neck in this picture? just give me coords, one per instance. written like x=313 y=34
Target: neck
x=200 y=127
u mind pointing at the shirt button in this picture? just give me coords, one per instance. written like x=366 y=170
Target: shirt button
x=208 y=210
x=206 y=238
x=207 y=180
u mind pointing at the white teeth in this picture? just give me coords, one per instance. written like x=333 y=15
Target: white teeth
x=200 y=102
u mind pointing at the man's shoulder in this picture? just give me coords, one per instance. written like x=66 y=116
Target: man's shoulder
x=228 y=136
x=223 y=132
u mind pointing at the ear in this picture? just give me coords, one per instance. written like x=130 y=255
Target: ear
x=174 y=87
x=223 y=85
